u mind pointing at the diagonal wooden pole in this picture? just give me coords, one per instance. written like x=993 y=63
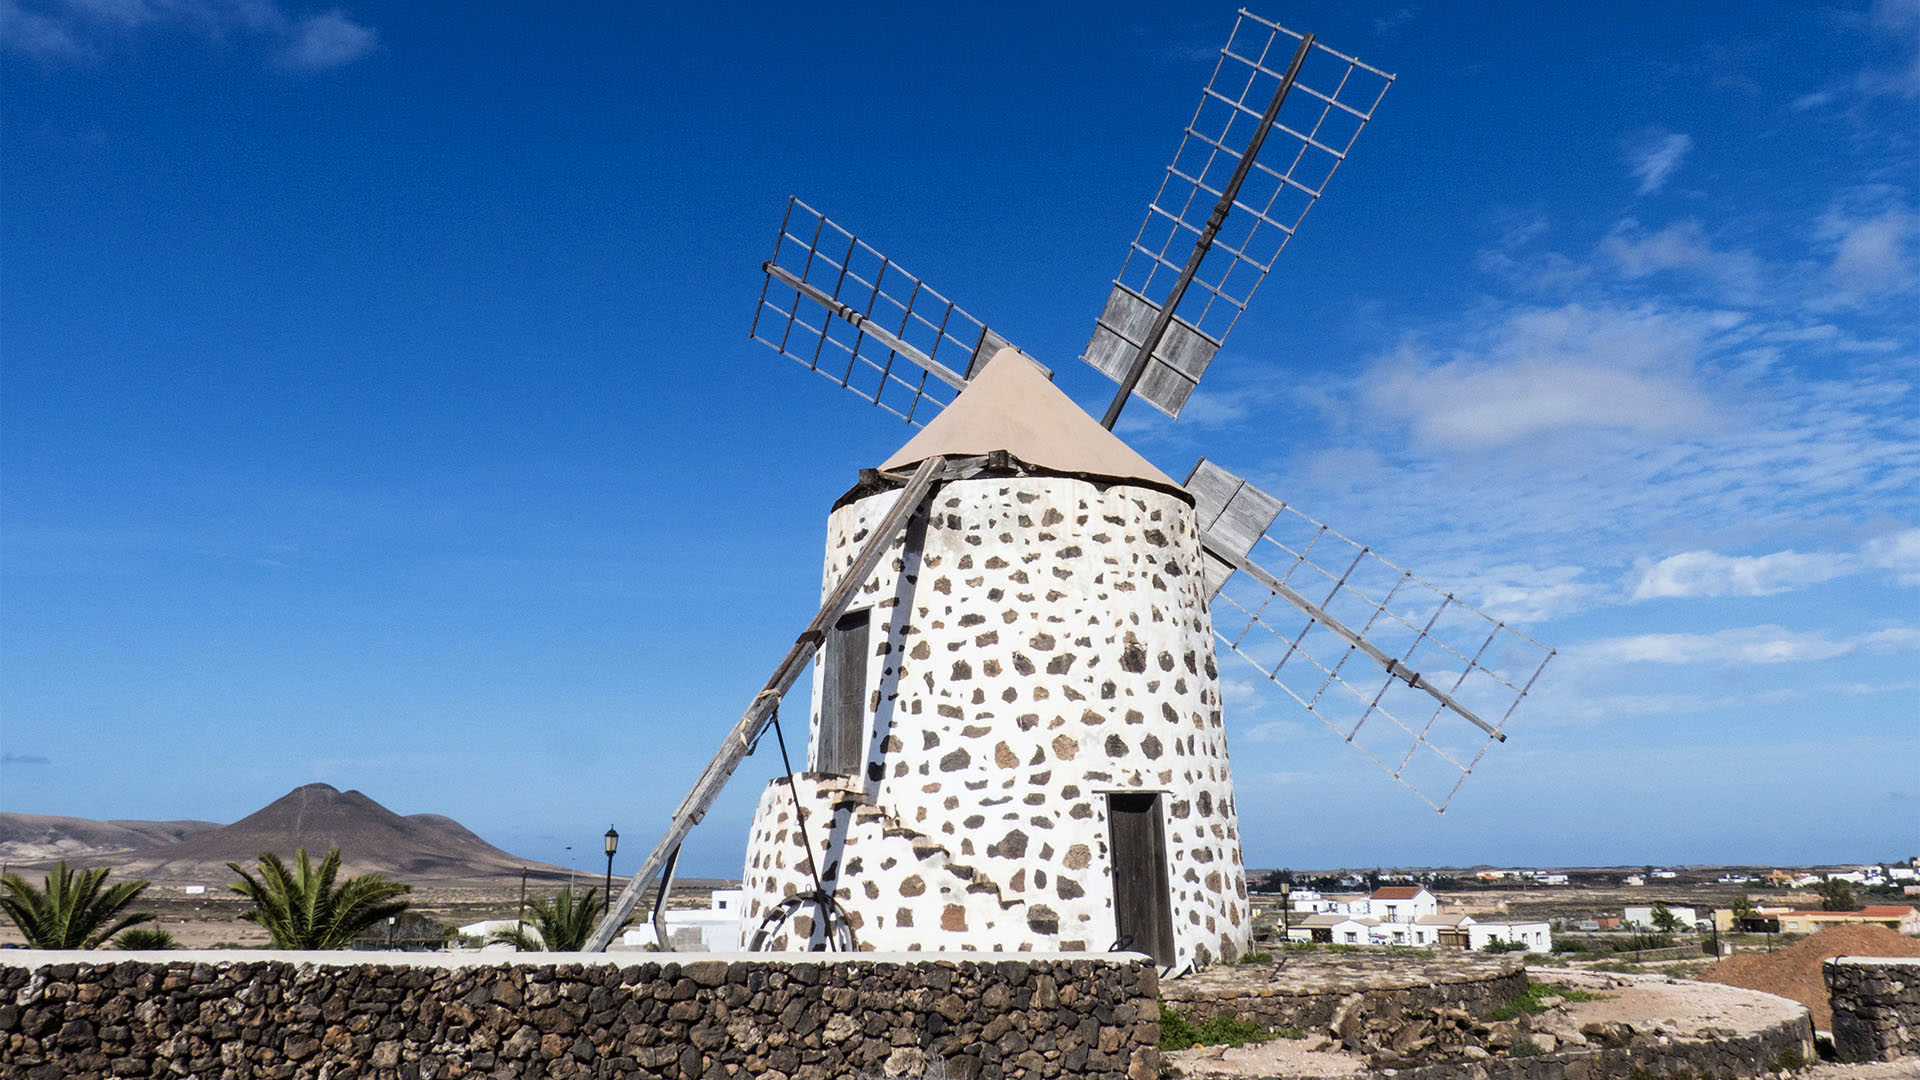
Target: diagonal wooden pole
x=754 y=720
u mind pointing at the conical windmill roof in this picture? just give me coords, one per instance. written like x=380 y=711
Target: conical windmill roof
x=1010 y=405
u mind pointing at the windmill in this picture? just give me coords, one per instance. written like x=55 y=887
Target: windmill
x=1016 y=740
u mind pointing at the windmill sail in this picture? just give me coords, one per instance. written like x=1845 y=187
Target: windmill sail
x=1279 y=115
x=1419 y=681
x=840 y=307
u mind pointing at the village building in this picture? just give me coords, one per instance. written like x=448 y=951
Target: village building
x=1640 y=916
x=1536 y=936
x=1401 y=903
x=1894 y=916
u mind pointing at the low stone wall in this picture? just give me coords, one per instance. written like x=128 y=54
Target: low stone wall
x=349 y=1016
x=1780 y=1047
x=1876 y=1007
x=1305 y=990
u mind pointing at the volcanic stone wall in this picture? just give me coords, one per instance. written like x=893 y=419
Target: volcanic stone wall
x=1038 y=643
x=1876 y=1007
x=263 y=1015
x=1316 y=987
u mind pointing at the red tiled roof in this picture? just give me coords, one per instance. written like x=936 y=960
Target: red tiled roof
x=1396 y=892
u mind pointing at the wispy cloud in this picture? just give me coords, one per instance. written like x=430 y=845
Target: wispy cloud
x=1871 y=235
x=1897 y=552
x=1766 y=644
x=67 y=31
x=1682 y=247
x=325 y=41
x=1547 y=369
x=1707 y=573
x=24 y=759
x=1656 y=156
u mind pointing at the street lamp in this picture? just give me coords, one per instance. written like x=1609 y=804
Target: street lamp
x=613 y=844
x=1286 y=924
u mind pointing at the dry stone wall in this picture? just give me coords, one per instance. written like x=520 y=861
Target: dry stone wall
x=1876 y=1007
x=1038 y=643
x=1307 y=991
x=264 y=1015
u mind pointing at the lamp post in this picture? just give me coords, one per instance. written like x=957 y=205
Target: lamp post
x=1286 y=902
x=613 y=844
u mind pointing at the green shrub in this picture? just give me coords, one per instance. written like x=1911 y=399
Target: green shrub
x=1788 y=1061
x=1176 y=1033
x=1343 y=947
x=1257 y=958
x=145 y=939
x=1533 y=999
x=1524 y=1047
x=1505 y=946
x=1301 y=946
x=1231 y=1031
x=1569 y=945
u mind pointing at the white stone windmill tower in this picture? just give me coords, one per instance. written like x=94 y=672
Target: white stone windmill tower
x=1016 y=739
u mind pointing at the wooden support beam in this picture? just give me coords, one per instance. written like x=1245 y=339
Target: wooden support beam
x=755 y=719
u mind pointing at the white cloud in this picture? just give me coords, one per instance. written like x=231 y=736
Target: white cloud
x=1898 y=552
x=1683 y=247
x=1548 y=369
x=1656 y=157
x=1516 y=593
x=35 y=34
x=1744 y=645
x=1872 y=255
x=325 y=41
x=75 y=30
x=1707 y=573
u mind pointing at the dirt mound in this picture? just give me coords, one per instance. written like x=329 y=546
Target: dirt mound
x=1795 y=971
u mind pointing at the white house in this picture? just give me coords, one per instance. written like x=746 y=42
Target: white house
x=716 y=929
x=1444 y=931
x=1337 y=929
x=1536 y=936
x=1641 y=915
x=1401 y=903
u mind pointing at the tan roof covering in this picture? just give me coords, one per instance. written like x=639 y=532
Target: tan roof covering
x=1011 y=406
x=1396 y=892
x=1444 y=920
x=1322 y=919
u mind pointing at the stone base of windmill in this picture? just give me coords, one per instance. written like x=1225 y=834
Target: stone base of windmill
x=1431 y=1023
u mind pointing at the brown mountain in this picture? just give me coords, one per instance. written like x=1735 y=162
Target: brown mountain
x=416 y=848
x=26 y=838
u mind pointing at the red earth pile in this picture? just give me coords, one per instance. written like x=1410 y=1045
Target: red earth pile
x=1794 y=971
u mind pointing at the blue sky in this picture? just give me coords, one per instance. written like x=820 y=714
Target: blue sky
x=377 y=406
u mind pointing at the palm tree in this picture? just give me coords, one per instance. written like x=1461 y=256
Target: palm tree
x=70 y=911
x=306 y=911
x=561 y=924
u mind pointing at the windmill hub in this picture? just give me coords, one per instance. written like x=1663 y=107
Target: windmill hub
x=1016 y=737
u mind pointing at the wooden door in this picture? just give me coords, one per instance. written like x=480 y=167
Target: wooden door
x=1142 y=901
x=843 y=697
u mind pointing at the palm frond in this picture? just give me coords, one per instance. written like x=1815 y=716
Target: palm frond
x=304 y=909
x=70 y=910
